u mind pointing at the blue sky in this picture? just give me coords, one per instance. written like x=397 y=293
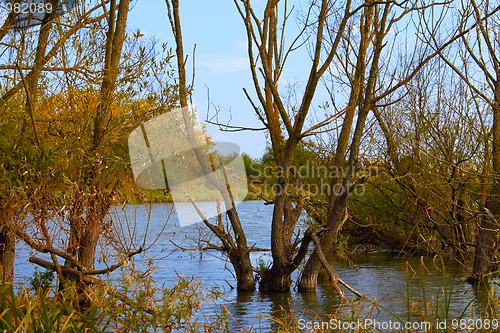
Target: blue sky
x=221 y=61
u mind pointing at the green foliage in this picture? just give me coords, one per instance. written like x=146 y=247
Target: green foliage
x=41 y=280
x=341 y=246
x=262 y=267
x=253 y=167
x=41 y=314
x=308 y=176
x=306 y=222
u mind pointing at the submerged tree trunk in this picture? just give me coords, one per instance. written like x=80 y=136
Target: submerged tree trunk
x=335 y=220
x=278 y=278
x=244 y=269
x=330 y=257
x=487 y=239
x=361 y=97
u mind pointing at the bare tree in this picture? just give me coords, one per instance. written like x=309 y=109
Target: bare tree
x=374 y=23
x=237 y=249
x=268 y=53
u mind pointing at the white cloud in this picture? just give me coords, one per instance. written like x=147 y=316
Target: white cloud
x=225 y=65
x=241 y=46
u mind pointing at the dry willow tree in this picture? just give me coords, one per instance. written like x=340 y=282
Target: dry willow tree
x=374 y=23
x=268 y=52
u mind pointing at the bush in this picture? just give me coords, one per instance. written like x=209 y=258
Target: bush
x=41 y=280
x=131 y=303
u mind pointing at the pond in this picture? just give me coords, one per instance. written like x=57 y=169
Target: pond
x=389 y=279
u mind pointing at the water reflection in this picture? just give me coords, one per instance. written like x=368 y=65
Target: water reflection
x=485 y=299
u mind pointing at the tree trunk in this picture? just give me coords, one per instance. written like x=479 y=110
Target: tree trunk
x=285 y=217
x=336 y=219
x=245 y=279
x=243 y=268
x=372 y=23
x=330 y=256
x=7 y=242
x=98 y=204
x=92 y=226
x=276 y=279
x=487 y=238
x=7 y=252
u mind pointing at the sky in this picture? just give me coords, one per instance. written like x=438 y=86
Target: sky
x=221 y=61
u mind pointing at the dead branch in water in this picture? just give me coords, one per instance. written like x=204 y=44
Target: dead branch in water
x=334 y=277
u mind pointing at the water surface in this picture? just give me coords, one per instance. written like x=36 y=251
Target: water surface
x=389 y=279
